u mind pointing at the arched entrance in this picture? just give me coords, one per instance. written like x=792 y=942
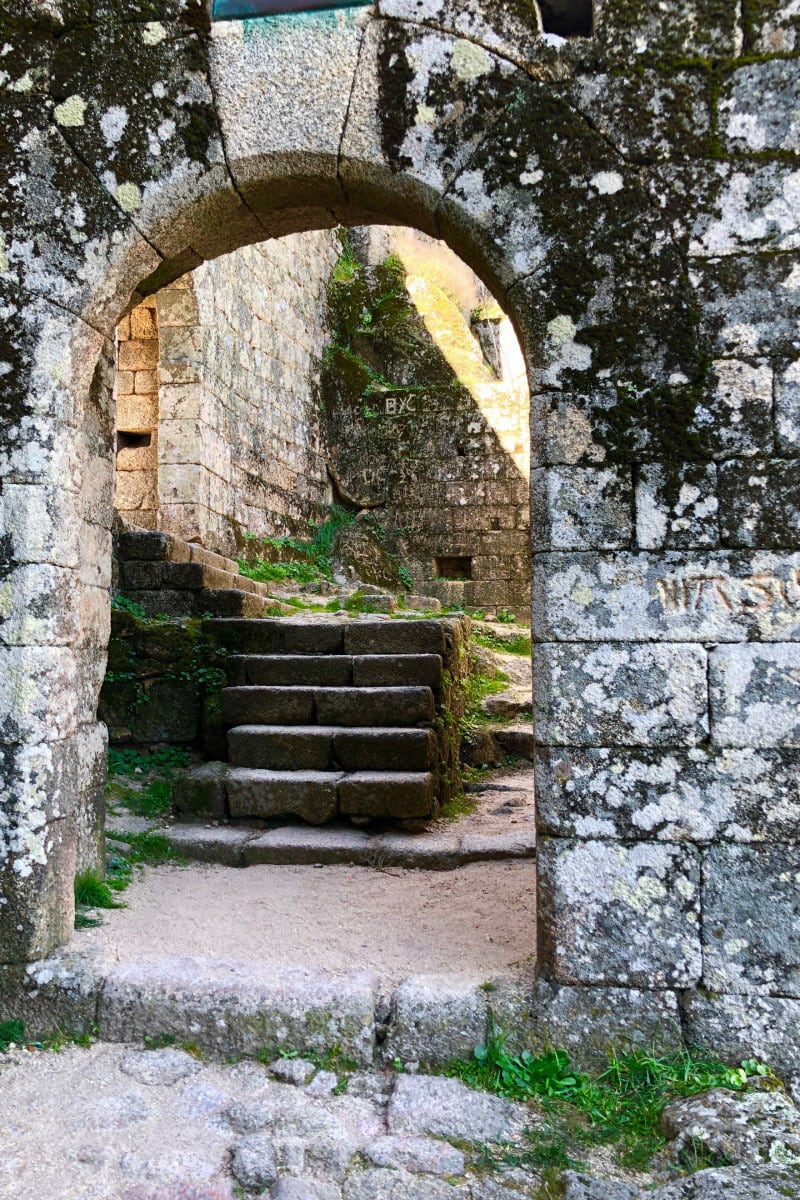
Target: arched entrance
x=168 y=146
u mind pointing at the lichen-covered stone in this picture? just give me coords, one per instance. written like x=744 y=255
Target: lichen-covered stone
x=736 y=1027
x=751 y=919
x=756 y=209
x=759 y=504
x=436 y=1019
x=728 y=1127
x=446 y=1108
x=615 y=913
x=581 y=508
x=301 y=65
x=696 y=795
x=749 y=304
x=676 y=509
x=758 y=107
x=622 y=695
x=754 y=692
x=588 y=1021
x=630 y=32
x=652 y=116
x=727 y=596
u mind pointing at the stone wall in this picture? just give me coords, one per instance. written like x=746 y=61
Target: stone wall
x=425 y=417
x=631 y=199
x=236 y=408
x=241 y=342
x=136 y=386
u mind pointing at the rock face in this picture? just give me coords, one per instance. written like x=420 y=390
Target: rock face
x=638 y=219
x=760 y=1127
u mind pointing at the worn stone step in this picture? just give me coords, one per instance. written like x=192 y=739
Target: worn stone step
x=141 y=545
x=282 y=747
x=394 y=637
x=310 y=795
x=269 y=706
x=320 y=748
x=185 y=576
x=273 y=636
x=225 y=601
x=321 y=670
x=336 y=670
x=350 y=706
x=401 y=795
x=372 y=670
x=368 y=706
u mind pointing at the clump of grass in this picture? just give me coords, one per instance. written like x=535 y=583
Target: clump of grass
x=520 y=644
x=11 y=1034
x=92 y=891
x=623 y=1104
x=151 y=849
x=154 y=769
x=263 y=571
x=458 y=806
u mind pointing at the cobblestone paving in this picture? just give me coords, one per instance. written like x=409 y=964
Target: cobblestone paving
x=115 y=1122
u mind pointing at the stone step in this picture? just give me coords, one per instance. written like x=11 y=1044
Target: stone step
x=185 y=576
x=240 y=845
x=310 y=795
x=350 y=706
x=337 y=670
x=368 y=706
x=401 y=795
x=325 y=748
x=394 y=637
x=275 y=636
x=316 y=796
x=140 y=545
x=223 y=602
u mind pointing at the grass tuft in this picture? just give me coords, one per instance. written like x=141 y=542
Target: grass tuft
x=622 y=1105
x=92 y=891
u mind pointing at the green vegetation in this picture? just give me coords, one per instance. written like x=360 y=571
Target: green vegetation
x=622 y=1105
x=477 y=687
x=123 y=604
x=521 y=644
x=92 y=891
x=295 y=559
x=263 y=571
x=12 y=1033
x=153 y=772
x=460 y=805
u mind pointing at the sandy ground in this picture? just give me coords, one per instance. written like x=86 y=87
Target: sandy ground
x=476 y=920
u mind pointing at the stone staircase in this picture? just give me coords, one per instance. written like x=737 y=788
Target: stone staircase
x=166 y=575
x=334 y=719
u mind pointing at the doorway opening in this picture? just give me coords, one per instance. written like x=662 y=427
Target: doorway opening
x=338 y=435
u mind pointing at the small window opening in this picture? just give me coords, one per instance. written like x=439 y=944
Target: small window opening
x=567 y=18
x=133 y=441
x=454 y=566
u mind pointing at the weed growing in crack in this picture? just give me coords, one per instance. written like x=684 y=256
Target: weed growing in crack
x=622 y=1104
x=12 y=1033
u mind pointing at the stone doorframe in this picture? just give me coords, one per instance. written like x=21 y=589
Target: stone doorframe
x=665 y=581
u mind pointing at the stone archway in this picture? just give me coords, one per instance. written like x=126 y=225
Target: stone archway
x=159 y=146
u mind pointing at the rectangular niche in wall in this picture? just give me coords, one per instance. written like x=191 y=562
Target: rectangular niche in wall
x=453 y=566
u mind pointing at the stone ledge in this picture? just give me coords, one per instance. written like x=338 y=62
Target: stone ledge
x=298 y=845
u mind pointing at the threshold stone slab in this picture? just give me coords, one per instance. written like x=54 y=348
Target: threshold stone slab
x=230 y=1007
